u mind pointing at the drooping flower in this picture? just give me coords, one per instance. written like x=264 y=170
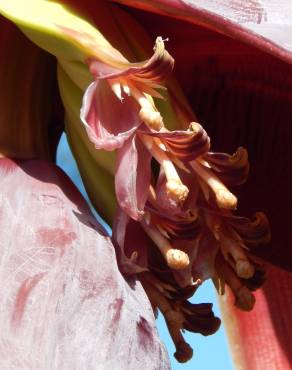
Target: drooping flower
x=236 y=77
x=235 y=67
x=183 y=146
x=114 y=107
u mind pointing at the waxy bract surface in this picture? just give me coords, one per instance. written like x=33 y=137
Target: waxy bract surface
x=64 y=304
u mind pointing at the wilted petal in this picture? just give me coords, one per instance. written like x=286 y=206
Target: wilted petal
x=253 y=231
x=155 y=69
x=133 y=177
x=109 y=122
x=199 y=318
x=231 y=169
x=64 y=303
x=185 y=145
x=131 y=244
x=178 y=228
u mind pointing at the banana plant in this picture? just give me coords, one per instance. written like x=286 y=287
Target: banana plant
x=151 y=171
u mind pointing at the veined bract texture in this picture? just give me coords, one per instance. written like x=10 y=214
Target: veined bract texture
x=64 y=304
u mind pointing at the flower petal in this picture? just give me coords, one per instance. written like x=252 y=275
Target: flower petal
x=253 y=231
x=132 y=178
x=185 y=145
x=231 y=169
x=131 y=244
x=199 y=318
x=155 y=69
x=109 y=122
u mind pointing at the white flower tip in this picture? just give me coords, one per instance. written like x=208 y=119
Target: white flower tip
x=225 y=199
x=176 y=190
x=195 y=127
x=177 y=259
x=244 y=269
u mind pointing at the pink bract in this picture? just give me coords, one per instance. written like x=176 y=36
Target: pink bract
x=64 y=303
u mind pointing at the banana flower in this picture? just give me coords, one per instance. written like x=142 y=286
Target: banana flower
x=175 y=227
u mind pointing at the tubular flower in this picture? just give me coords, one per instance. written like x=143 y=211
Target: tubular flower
x=176 y=223
x=171 y=150
x=127 y=89
x=235 y=67
x=196 y=241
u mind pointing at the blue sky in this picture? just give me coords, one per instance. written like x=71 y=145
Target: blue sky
x=210 y=352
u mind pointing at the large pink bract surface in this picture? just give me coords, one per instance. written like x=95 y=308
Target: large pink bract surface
x=64 y=304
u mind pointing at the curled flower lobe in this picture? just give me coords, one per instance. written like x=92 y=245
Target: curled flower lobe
x=184 y=145
x=151 y=71
x=108 y=128
x=231 y=169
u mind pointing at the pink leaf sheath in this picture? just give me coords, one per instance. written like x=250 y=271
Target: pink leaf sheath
x=261 y=339
x=64 y=304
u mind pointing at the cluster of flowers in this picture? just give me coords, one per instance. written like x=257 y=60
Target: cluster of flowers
x=175 y=225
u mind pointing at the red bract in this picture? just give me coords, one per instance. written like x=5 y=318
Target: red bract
x=64 y=303
x=265 y=24
x=262 y=339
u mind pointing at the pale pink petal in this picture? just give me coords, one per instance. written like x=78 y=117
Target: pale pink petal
x=132 y=178
x=109 y=122
x=155 y=69
x=64 y=304
x=131 y=244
